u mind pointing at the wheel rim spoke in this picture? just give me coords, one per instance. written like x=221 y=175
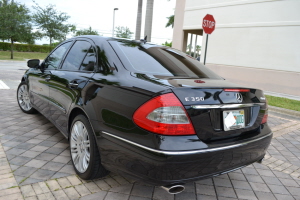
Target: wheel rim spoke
x=80 y=146
x=85 y=161
x=87 y=157
x=86 y=144
x=76 y=161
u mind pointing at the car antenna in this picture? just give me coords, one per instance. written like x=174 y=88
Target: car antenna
x=144 y=40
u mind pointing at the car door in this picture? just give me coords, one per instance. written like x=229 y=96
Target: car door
x=39 y=78
x=67 y=82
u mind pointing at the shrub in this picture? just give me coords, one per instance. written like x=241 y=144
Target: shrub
x=4 y=46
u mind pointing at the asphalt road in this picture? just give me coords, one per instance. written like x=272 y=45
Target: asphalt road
x=11 y=73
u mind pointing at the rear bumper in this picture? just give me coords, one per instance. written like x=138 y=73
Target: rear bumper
x=169 y=167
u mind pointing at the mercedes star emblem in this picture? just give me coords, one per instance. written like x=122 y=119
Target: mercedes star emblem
x=239 y=97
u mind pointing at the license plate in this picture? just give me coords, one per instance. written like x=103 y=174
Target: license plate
x=233 y=119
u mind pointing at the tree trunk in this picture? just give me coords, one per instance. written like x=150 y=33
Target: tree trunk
x=50 y=41
x=11 y=49
x=148 y=20
x=139 y=21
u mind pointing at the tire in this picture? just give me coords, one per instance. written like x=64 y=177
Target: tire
x=84 y=152
x=23 y=99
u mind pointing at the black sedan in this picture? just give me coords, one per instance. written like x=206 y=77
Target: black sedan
x=148 y=111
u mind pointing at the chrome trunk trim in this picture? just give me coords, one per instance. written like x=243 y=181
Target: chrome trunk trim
x=227 y=106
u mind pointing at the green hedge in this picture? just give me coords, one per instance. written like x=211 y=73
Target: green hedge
x=26 y=47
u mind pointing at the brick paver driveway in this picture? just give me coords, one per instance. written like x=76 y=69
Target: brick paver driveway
x=35 y=164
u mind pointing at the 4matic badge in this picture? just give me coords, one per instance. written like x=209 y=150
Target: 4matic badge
x=194 y=98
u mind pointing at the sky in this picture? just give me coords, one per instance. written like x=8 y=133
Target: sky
x=99 y=15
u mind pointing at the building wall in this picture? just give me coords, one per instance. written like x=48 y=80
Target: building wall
x=256 y=34
x=178 y=24
x=273 y=82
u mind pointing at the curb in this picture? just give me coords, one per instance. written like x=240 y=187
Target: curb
x=284 y=111
x=282 y=95
x=12 y=60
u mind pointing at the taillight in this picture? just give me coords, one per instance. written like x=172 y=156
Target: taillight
x=236 y=90
x=164 y=115
x=265 y=118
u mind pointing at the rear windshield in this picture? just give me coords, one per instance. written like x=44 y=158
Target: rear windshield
x=158 y=60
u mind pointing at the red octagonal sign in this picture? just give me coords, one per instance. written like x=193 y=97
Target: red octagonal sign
x=209 y=24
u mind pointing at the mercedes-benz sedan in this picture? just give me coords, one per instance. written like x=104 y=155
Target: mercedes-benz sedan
x=151 y=112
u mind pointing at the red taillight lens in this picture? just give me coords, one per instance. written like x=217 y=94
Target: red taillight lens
x=164 y=115
x=265 y=119
x=236 y=90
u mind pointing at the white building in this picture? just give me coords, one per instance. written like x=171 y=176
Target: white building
x=255 y=43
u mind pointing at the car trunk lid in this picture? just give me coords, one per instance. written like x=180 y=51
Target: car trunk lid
x=219 y=109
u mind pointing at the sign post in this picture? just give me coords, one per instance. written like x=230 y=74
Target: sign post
x=208 y=26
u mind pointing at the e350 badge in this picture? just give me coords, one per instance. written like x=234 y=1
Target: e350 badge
x=194 y=98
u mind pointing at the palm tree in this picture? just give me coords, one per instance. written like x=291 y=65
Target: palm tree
x=189 y=48
x=170 y=21
x=148 y=20
x=123 y=32
x=139 y=21
x=198 y=48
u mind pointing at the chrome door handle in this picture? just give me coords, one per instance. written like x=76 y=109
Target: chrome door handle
x=73 y=84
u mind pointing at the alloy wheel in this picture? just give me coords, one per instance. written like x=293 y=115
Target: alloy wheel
x=80 y=146
x=23 y=98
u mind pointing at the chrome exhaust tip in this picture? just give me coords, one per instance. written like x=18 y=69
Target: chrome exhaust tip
x=173 y=189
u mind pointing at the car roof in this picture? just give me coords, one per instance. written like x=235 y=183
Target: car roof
x=96 y=38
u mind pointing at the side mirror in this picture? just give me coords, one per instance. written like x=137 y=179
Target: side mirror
x=34 y=63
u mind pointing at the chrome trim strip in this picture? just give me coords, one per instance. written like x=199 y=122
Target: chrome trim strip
x=61 y=108
x=227 y=106
x=186 y=152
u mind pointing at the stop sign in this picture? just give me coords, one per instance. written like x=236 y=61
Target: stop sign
x=209 y=24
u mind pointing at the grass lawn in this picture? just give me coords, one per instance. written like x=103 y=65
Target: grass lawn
x=5 y=55
x=283 y=102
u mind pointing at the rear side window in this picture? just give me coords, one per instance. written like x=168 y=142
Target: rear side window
x=89 y=61
x=158 y=60
x=76 y=55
